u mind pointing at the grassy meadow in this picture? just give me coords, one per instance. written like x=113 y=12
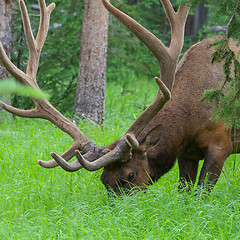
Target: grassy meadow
x=39 y=203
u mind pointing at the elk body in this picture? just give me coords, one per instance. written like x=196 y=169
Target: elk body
x=167 y=130
x=182 y=129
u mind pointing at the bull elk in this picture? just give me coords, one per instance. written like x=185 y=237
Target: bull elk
x=181 y=130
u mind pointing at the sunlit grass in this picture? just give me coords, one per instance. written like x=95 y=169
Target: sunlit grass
x=39 y=203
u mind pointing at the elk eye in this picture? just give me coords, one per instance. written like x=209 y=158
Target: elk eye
x=130 y=176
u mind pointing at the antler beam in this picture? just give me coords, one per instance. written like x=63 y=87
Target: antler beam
x=43 y=109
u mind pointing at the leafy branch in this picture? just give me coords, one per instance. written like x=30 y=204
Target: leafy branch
x=226 y=99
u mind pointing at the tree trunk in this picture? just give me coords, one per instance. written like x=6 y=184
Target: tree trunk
x=5 y=37
x=90 y=92
x=200 y=18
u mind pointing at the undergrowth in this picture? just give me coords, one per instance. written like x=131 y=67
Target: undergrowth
x=39 y=203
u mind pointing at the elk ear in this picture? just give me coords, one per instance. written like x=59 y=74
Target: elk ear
x=151 y=139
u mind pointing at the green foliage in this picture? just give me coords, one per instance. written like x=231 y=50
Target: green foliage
x=221 y=13
x=193 y=3
x=226 y=99
x=8 y=86
x=38 y=203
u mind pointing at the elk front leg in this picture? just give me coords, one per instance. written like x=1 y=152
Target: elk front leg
x=188 y=169
x=212 y=166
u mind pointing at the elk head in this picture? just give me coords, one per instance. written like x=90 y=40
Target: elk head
x=125 y=162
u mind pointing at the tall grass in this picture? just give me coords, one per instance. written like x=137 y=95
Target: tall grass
x=39 y=203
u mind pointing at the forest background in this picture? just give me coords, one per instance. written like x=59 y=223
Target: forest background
x=128 y=59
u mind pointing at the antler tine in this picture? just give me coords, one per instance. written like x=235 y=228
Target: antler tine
x=73 y=166
x=35 y=46
x=177 y=21
x=67 y=155
x=44 y=22
x=141 y=122
x=12 y=69
x=177 y=29
x=19 y=112
x=28 y=33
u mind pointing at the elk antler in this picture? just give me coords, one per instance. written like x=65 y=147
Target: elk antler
x=167 y=58
x=43 y=109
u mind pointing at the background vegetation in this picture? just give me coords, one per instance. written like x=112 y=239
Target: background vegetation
x=128 y=58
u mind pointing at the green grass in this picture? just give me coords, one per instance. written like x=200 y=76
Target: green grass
x=39 y=203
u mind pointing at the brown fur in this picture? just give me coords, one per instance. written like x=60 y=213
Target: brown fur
x=186 y=132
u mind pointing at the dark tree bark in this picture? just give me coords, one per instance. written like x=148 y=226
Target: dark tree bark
x=200 y=18
x=196 y=21
x=5 y=37
x=90 y=92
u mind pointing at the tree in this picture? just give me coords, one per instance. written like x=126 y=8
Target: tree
x=5 y=35
x=90 y=92
x=227 y=98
